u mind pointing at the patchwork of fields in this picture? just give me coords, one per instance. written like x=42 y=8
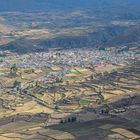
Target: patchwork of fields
x=83 y=93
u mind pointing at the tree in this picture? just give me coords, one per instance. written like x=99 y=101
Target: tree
x=65 y=121
x=98 y=75
x=69 y=120
x=73 y=119
x=61 y=121
x=91 y=77
x=56 y=107
x=105 y=73
x=59 y=80
x=13 y=70
x=37 y=83
x=100 y=91
x=17 y=85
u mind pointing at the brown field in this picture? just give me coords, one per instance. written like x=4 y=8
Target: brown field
x=34 y=34
x=126 y=133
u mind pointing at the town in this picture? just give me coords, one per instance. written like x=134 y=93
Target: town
x=68 y=58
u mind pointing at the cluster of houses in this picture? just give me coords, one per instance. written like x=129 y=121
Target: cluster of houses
x=68 y=58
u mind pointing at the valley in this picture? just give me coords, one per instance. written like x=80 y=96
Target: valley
x=69 y=70
x=64 y=88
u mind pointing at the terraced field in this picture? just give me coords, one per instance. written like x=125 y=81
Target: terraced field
x=83 y=93
x=109 y=129
x=30 y=131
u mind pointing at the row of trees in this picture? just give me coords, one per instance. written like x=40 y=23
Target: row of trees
x=69 y=120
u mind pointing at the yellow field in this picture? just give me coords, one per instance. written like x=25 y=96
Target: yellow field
x=30 y=130
x=108 y=96
x=6 y=138
x=34 y=33
x=17 y=126
x=51 y=98
x=56 y=68
x=107 y=68
x=118 y=92
x=32 y=107
x=69 y=107
x=28 y=76
x=126 y=133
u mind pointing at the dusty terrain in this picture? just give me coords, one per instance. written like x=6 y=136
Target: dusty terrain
x=89 y=95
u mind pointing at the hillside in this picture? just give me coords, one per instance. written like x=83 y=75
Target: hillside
x=62 y=40
x=131 y=35
x=41 y=24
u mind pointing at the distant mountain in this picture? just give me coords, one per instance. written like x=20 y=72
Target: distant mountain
x=93 y=39
x=98 y=5
x=131 y=35
x=94 y=23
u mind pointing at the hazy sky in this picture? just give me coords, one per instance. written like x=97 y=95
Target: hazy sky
x=29 y=5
